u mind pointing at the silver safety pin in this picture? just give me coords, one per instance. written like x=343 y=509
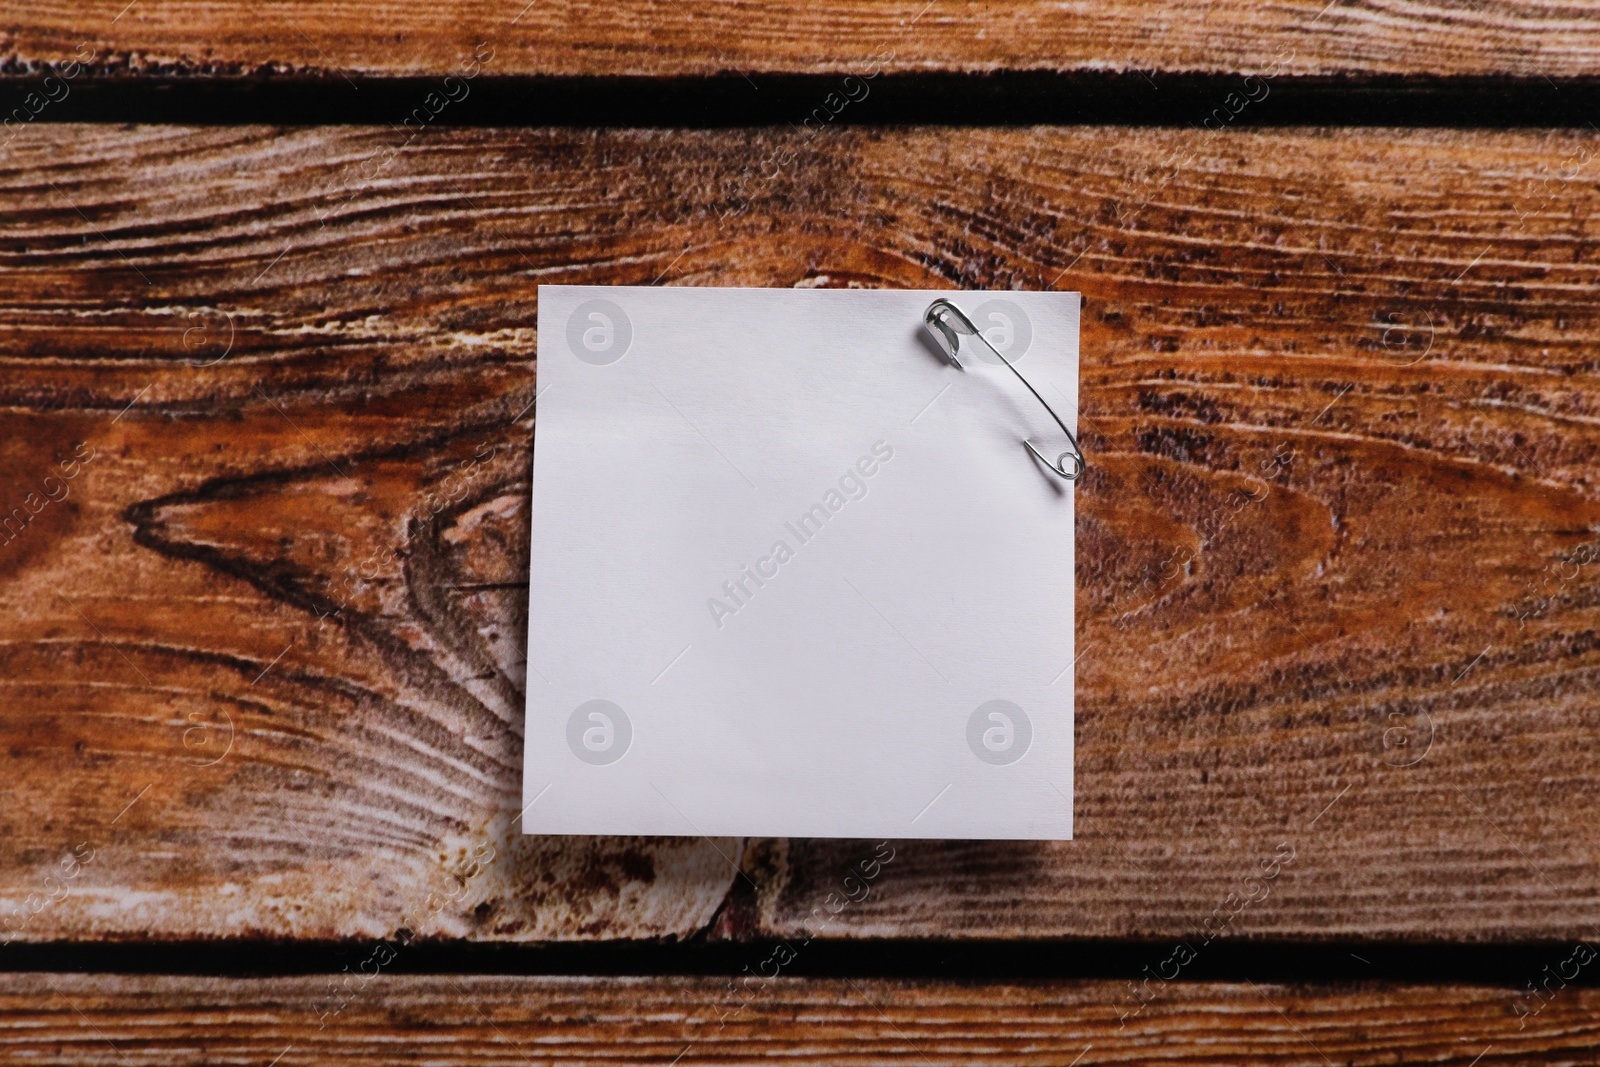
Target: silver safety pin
x=945 y=322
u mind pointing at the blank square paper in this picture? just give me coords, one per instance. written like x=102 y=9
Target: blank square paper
x=795 y=574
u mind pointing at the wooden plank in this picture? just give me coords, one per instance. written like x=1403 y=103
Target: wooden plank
x=446 y=1019
x=1338 y=596
x=210 y=38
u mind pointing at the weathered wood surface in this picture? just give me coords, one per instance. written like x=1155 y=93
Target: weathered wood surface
x=1525 y=38
x=1337 y=548
x=447 y=1020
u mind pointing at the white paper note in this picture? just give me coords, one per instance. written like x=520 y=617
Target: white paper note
x=793 y=573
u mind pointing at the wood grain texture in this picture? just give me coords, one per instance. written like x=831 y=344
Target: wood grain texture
x=1524 y=38
x=1337 y=546
x=528 y=1022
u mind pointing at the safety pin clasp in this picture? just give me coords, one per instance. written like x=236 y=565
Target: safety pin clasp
x=948 y=324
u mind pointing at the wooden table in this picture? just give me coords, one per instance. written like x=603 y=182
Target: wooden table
x=265 y=600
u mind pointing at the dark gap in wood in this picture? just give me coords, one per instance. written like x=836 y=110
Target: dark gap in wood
x=1509 y=965
x=1011 y=98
